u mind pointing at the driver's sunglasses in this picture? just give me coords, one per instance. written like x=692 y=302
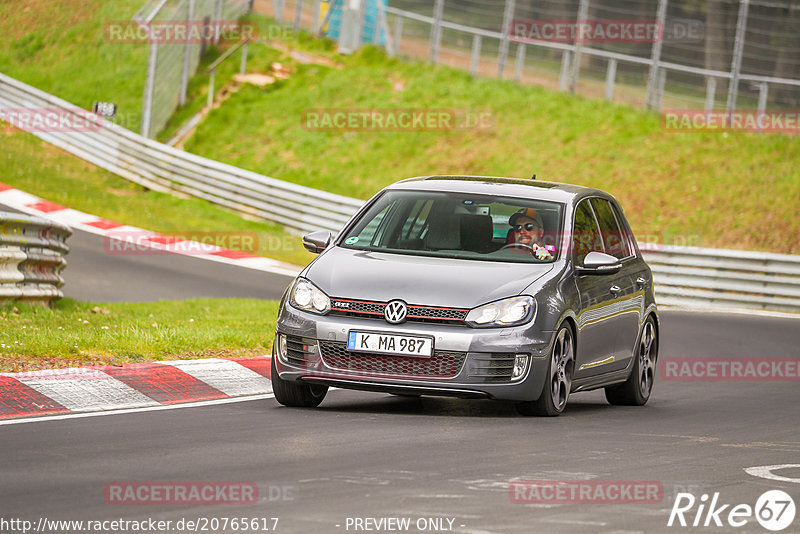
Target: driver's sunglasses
x=528 y=226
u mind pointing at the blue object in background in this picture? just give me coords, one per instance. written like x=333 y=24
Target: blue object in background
x=371 y=21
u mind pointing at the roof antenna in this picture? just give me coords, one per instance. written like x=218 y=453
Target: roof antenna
x=533 y=177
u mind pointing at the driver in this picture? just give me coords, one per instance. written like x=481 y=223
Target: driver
x=526 y=231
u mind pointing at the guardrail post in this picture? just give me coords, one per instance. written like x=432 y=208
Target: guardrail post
x=210 y=100
x=655 y=56
x=383 y=26
x=763 y=90
x=736 y=61
x=475 y=57
x=662 y=80
x=398 y=32
x=436 y=30
x=298 y=15
x=217 y=21
x=187 y=48
x=277 y=6
x=315 y=16
x=149 y=88
x=583 y=12
x=611 y=75
x=711 y=89
x=519 y=65
x=243 y=65
x=508 y=15
x=566 y=60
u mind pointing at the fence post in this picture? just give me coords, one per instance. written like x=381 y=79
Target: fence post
x=298 y=15
x=508 y=14
x=738 y=48
x=711 y=89
x=186 y=51
x=436 y=30
x=611 y=75
x=476 y=55
x=583 y=12
x=655 y=56
x=149 y=88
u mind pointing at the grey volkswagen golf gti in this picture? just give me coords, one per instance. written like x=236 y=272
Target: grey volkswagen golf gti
x=473 y=287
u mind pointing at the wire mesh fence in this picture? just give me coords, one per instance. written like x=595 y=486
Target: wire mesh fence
x=172 y=61
x=704 y=54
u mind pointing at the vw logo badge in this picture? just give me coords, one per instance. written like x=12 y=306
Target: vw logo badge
x=395 y=311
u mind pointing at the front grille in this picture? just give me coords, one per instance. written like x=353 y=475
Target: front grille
x=416 y=313
x=492 y=367
x=442 y=364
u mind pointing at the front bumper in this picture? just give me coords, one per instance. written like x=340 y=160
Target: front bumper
x=467 y=362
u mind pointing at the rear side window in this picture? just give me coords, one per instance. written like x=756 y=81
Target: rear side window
x=613 y=237
x=586 y=235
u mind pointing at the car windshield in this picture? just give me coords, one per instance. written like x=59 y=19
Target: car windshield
x=459 y=225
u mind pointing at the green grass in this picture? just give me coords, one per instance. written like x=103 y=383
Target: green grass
x=43 y=170
x=59 y=47
x=84 y=333
x=731 y=190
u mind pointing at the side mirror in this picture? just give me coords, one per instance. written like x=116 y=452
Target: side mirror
x=316 y=242
x=599 y=263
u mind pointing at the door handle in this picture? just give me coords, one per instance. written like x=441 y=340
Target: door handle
x=615 y=290
x=641 y=281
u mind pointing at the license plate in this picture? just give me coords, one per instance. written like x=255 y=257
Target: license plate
x=421 y=347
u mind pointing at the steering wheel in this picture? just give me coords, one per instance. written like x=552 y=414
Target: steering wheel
x=519 y=246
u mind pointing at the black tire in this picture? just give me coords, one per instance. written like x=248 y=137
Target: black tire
x=555 y=392
x=636 y=390
x=295 y=394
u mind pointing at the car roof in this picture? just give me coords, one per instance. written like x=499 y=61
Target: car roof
x=495 y=185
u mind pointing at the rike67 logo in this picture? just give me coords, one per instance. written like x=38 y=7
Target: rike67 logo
x=774 y=510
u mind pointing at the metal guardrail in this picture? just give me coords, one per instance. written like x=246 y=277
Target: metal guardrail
x=684 y=276
x=718 y=278
x=163 y=168
x=32 y=254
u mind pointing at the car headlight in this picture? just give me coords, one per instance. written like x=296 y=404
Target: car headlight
x=308 y=297
x=507 y=312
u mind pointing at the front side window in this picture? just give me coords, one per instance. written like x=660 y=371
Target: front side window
x=613 y=238
x=586 y=235
x=459 y=225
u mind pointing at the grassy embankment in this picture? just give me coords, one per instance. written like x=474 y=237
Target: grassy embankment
x=85 y=333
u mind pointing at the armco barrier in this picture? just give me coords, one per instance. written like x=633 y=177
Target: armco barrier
x=683 y=276
x=163 y=168
x=32 y=254
x=719 y=278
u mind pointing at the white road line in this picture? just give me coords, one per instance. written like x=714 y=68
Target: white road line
x=134 y=410
x=766 y=471
x=227 y=376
